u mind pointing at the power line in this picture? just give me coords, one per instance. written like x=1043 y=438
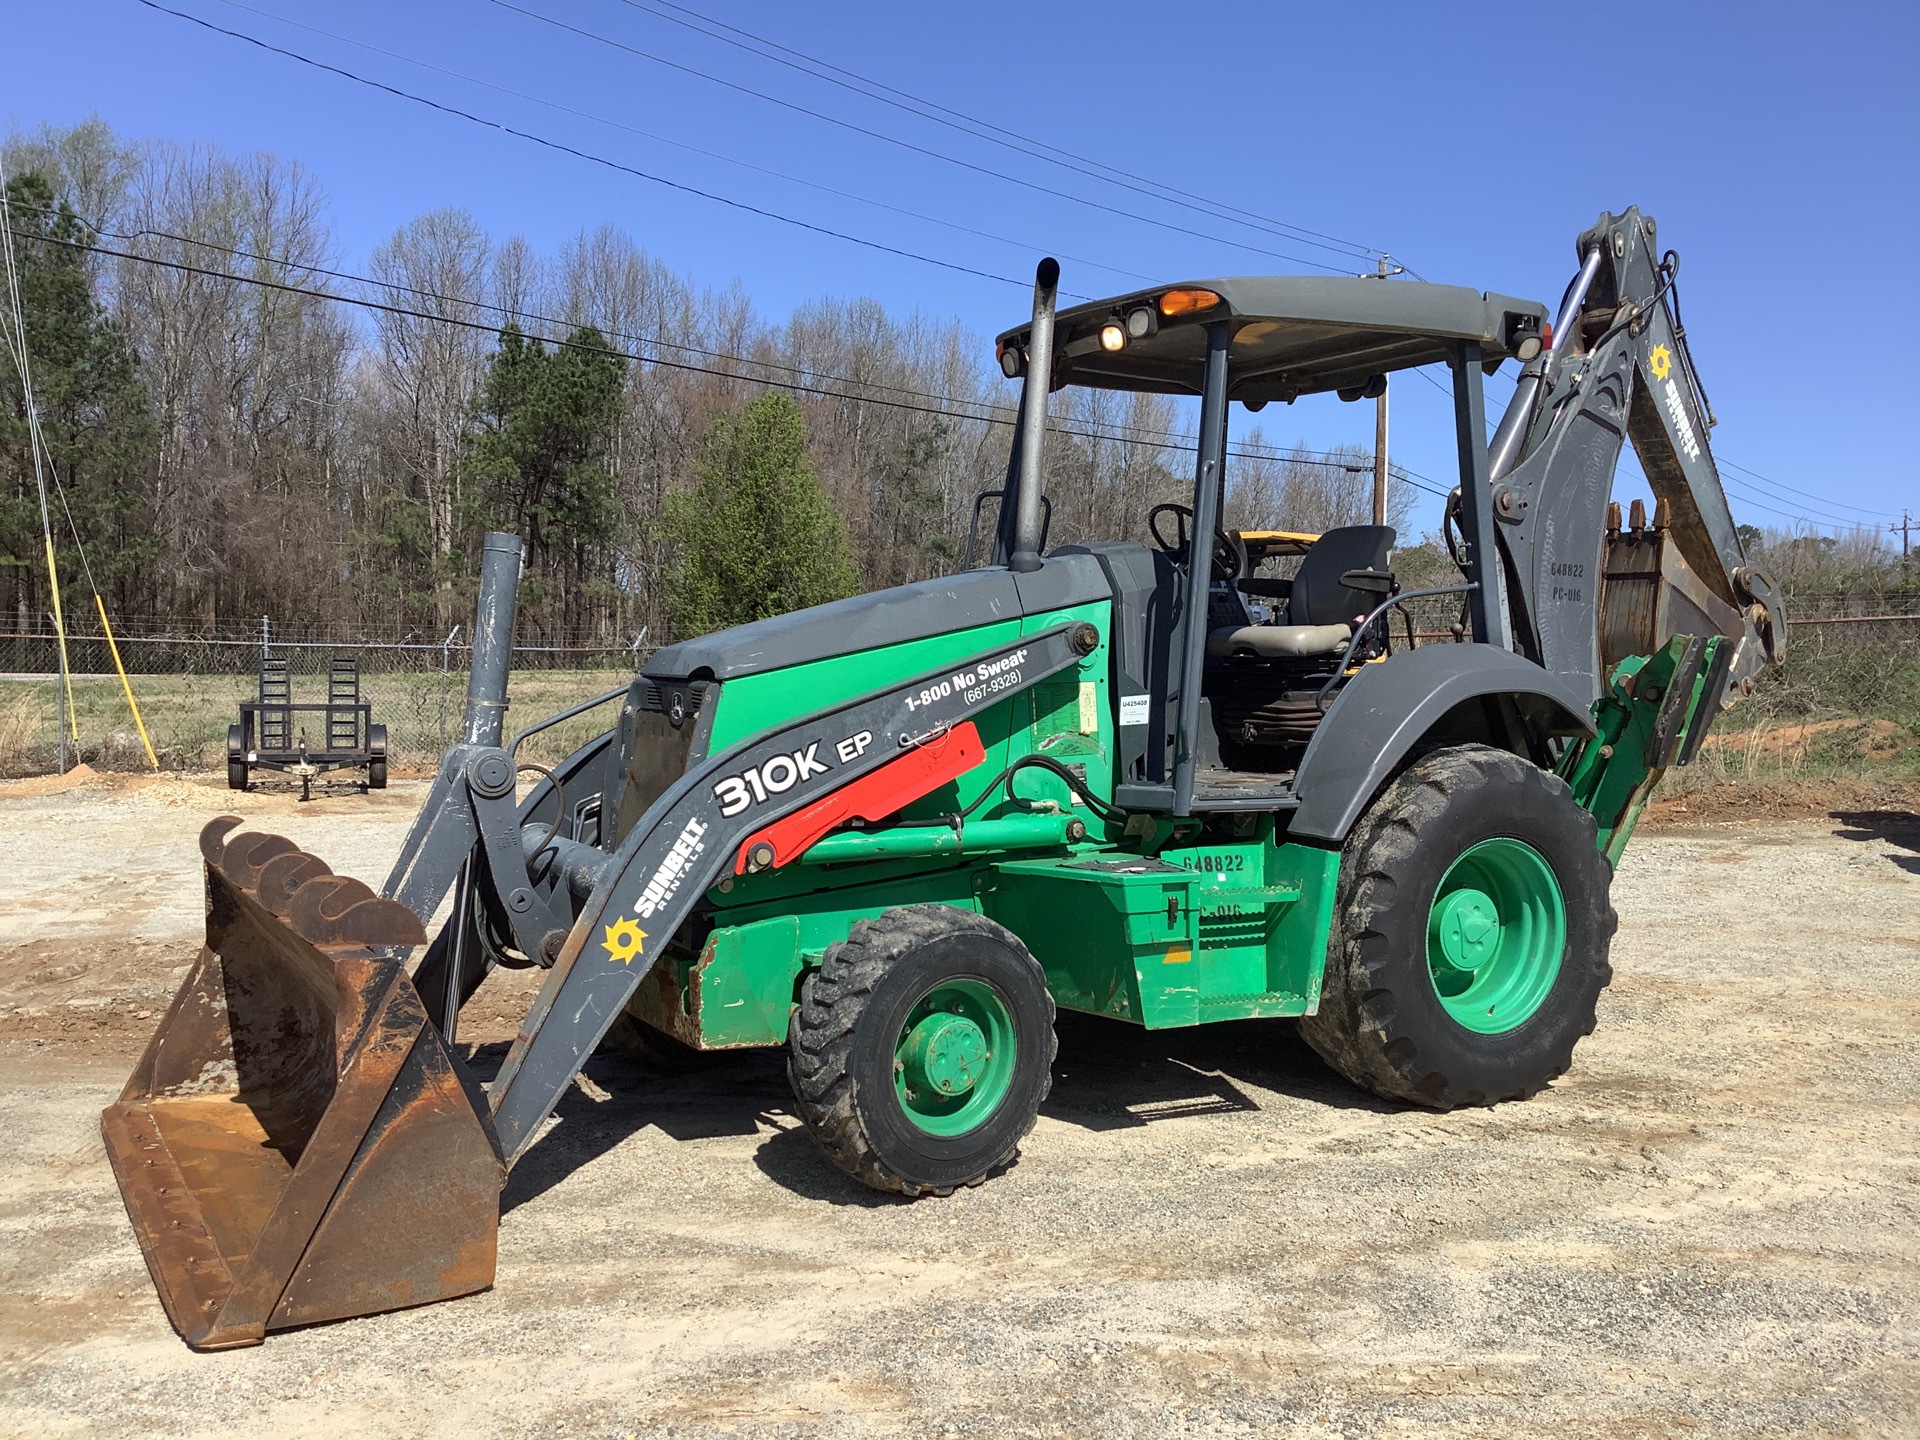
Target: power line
x=999 y=239
x=945 y=406
x=1756 y=479
x=976 y=128
x=1134 y=434
x=1750 y=494
x=895 y=140
x=578 y=153
x=1736 y=492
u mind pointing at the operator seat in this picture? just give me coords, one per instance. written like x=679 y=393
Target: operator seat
x=1321 y=612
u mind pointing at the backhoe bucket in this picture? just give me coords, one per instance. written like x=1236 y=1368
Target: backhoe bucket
x=296 y=1144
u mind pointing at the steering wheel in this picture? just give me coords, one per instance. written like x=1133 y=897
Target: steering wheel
x=1229 y=555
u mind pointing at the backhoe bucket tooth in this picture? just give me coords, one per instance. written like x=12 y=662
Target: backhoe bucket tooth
x=296 y=1144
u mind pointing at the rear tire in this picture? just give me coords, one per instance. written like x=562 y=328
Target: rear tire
x=922 y=1048
x=377 y=763
x=1470 y=934
x=236 y=774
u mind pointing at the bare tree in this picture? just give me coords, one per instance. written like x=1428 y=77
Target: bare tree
x=437 y=264
x=245 y=377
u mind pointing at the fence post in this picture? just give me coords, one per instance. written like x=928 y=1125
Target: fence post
x=446 y=672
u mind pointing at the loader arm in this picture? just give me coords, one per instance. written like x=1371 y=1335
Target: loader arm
x=714 y=822
x=1618 y=368
x=298 y=1098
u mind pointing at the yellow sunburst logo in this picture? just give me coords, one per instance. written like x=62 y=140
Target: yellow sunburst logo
x=1662 y=361
x=623 y=941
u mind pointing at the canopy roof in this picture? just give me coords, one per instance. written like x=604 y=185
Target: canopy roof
x=1292 y=335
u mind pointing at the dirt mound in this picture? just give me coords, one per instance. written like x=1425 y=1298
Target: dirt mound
x=1870 y=739
x=79 y=775
x=1774 y=799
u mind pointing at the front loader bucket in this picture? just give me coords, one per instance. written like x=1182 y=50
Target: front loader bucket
x=296 y=1144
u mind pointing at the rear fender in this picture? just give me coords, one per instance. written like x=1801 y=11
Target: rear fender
x=1460 y=692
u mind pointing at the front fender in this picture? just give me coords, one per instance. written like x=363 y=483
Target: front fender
x=1389 y=707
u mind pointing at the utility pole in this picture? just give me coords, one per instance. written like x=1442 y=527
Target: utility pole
x=1380 y=440
x=1906 y=540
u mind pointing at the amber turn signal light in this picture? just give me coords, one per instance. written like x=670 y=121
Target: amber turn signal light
x=1187 y=302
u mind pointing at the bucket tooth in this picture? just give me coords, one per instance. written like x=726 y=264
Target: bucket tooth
x=245 y=854
x=338 y=910
x=213 y=836
x=297 y=1144
x=284 y=874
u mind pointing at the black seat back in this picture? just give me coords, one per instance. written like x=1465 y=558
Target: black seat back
x=1318 y=596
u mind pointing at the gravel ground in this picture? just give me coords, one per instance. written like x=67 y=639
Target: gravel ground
x=1706 y=1229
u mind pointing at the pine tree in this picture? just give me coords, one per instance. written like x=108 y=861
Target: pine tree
x=757 y=535
x=538 y=452
x=93 y=413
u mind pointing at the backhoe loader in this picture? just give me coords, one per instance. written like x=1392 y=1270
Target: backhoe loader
x=892 y=834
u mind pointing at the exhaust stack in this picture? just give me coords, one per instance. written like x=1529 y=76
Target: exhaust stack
x=1033 y=418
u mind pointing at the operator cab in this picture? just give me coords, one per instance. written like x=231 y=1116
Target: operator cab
x=1239 y=668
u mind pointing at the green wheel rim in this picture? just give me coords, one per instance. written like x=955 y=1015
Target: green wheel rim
x=1495 y=936
x=953 y=1062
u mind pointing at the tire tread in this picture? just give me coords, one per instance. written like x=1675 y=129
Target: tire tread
x=822 y=1037
x=1357 y=1027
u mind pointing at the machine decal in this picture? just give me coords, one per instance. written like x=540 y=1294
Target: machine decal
x=772 y=777
x=853 y=747
x=989 y=677
x=1682 y=422
x=1662 y=362
x=1220 y=864
x=666 y=880
x=624 y=939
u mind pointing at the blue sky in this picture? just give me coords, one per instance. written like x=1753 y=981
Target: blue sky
x=1774 y=143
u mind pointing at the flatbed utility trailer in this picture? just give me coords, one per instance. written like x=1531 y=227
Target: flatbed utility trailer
x=893 y=834
x=271 y=734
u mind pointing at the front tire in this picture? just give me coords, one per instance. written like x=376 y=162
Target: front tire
x=1470 y=934
x=922 y=1048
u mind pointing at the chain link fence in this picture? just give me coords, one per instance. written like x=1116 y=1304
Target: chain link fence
x=190 y=685
x=1858 y=657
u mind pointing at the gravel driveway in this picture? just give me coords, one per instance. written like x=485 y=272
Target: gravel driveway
x=1706 y=1229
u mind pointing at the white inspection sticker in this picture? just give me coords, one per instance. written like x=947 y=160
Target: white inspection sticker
x=1134 y=709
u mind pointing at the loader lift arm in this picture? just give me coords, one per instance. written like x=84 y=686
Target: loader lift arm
x=699 y=832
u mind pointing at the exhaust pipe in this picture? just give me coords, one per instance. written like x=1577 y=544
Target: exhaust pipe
x=1033 y=418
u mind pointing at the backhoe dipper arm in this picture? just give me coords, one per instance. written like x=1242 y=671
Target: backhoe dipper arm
x=1618 y=368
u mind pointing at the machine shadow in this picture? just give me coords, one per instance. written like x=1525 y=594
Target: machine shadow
x=1892 y=827
x=1110 y=1075
x=617 y=1097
